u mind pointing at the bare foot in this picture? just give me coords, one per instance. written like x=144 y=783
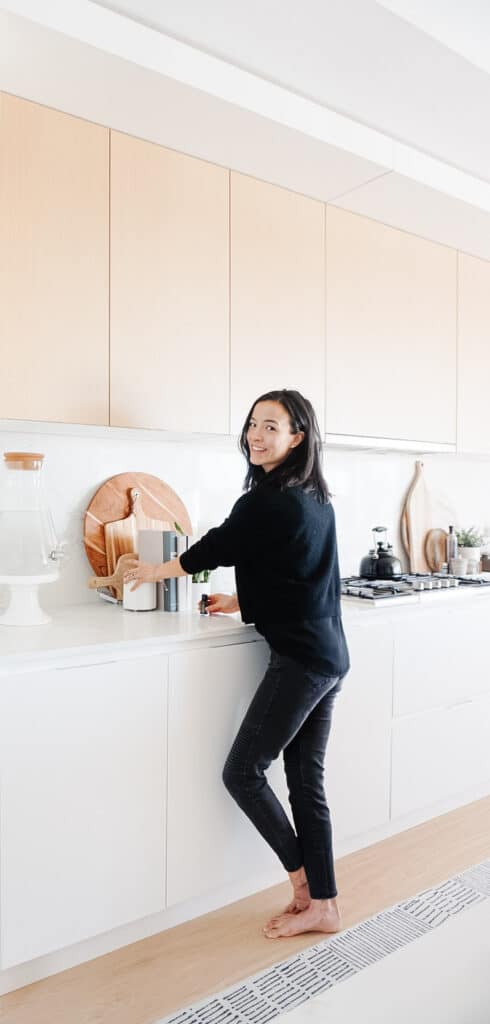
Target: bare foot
x=319 y=916
x=301 y=894
x=300 y=901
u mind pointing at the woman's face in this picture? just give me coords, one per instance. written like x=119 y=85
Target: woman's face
x=269 y=435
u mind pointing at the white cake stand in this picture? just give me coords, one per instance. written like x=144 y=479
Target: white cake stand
x=24 y=608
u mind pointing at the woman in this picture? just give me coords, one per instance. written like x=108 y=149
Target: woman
x=280 y=536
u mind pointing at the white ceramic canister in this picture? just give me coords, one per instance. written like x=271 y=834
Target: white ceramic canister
x=458 y=566
x=143 y=599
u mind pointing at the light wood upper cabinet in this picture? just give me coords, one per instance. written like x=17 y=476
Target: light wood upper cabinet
x=391 y=332
x=277 y=295
x=169 y=289
x=473 y=354
x=54 y=261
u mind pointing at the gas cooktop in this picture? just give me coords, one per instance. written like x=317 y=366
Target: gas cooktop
x=409 y=586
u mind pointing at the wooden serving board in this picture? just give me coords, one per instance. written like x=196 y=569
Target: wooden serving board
x=112 y=503
x=121 y=537
x=116 y=581
x=416 y=521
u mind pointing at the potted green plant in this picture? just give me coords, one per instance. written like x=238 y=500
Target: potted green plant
x=469 y=546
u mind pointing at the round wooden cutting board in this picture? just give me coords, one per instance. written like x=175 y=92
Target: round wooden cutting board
x=435 y=549
x=112 y=502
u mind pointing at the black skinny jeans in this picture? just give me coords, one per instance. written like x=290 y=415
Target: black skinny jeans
x=291 y=711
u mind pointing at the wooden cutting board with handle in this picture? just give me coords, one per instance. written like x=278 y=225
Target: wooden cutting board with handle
x=121 y=536
x=157 y=507
x=116 y=580
x=416 y=521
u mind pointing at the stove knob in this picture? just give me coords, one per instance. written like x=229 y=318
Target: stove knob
x=446 y=584
x=436 y=584
x=418 y=585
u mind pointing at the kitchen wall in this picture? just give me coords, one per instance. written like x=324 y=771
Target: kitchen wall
x=368 y=487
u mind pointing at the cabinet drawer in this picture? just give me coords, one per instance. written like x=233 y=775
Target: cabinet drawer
x=438 y=656
x=439 y=753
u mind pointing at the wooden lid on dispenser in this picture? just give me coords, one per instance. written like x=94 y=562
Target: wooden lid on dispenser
x=23 y=460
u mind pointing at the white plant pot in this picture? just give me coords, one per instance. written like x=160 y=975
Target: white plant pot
x=471 y=555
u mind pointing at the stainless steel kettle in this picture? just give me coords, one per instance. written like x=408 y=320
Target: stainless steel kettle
x=380 y=563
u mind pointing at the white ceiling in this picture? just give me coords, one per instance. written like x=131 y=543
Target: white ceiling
x=381 y=108
x=416 y=70
x=462 y=26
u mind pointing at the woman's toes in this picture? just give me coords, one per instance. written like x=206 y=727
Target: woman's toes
x=275 y=920
x=277 y=925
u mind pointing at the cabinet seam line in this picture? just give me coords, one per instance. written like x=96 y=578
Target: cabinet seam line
x=229 y=302
x=109 y=322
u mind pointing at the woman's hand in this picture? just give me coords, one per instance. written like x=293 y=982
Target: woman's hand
x=226 y=603
x=140 y=572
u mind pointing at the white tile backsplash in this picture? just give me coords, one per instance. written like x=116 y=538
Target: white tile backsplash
x=369 y=489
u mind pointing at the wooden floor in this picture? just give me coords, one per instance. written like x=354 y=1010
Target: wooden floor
x=149 y=979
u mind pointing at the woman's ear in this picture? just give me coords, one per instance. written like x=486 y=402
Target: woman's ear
x=298 y=438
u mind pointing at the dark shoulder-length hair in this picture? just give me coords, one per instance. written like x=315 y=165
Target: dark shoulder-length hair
x=302 y=467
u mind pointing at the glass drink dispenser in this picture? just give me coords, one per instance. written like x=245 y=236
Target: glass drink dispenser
x=28 y=545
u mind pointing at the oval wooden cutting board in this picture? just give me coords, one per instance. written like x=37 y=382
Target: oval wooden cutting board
x=112 y=503
x=416 y=520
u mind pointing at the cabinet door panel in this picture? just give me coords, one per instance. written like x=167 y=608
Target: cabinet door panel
x=169 y=289
x=391 y=332
x=439 y=754
x=358 y=756
x=473 y=353
x=438 y=655
x=210 y=841
x=82 y=803
x=277 y=295
x=54 y=269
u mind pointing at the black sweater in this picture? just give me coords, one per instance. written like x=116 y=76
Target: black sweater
x=284 y=549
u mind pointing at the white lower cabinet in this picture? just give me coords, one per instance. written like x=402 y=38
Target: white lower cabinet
x=438 y=754
x=439 y=658
x=82 y=803
x=112 y=805
x=210 y=841
x=357 y=775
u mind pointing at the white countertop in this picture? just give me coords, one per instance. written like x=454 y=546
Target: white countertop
x=80 y=634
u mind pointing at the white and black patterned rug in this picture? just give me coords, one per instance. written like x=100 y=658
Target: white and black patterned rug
x=288 y=984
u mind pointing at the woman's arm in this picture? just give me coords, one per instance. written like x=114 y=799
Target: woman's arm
x=144 y=572
x=219 y=546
